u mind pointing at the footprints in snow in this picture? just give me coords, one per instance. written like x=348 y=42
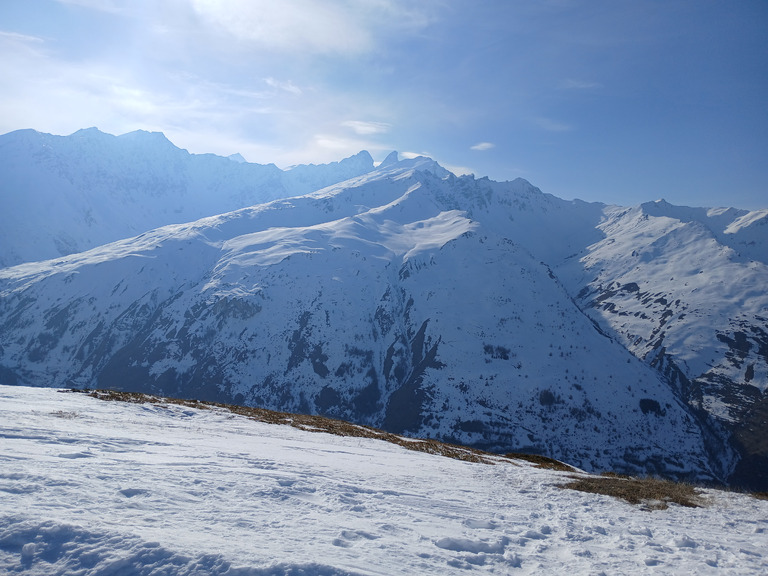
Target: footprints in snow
x=349 y=538
x=472 y=552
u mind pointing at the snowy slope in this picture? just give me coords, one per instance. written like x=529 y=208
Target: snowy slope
x=66 y=194
x=100 y=488
x=684 y=289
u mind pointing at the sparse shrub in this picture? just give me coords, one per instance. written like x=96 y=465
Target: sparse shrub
x=546 y=398
x=649 y=405
x=651 y=493
x=541 y=461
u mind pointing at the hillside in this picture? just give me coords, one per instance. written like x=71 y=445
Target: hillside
x=684 y=289
x=105 y=487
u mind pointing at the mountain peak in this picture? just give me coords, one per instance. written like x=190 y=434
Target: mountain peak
x=91 y=133
x=391 y=158
x=144 y=136
x=362 y=161
x=91 y=130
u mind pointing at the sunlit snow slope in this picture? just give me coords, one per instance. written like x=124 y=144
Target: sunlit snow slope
x=686 y=290
x=94 y=487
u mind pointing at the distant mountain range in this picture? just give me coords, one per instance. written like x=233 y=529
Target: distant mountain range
x=400 y=296
x=65 y=194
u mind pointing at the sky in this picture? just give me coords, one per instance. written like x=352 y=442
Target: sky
x=615 y=101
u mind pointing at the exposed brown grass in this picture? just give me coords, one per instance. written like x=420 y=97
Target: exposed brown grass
x=651 y=493
x=308 y=423
x=63 y=414
x=542 y=461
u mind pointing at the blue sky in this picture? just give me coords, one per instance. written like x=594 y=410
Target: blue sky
x=604 y=100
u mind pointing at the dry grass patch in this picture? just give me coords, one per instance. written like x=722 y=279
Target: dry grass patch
x=542 y=461
x=308 y=423
x=63 y=414
x=760 y=495
x=651 y=493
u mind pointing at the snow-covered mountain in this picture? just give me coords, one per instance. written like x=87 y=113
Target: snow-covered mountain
x=686 y=290
x=65 y=194
x=474 y=311
x=97 y=488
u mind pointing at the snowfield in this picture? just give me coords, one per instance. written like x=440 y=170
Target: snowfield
x=93 y=487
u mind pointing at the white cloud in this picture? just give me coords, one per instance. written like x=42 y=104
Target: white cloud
x=332 y=142
x=457 y=170
x=310 y=27
x=552 y=126
x=288 y=25
x=40 y=91
x=15 y=37
x=482 y=146
x=572 y=84
x=113 y=6
x=20 y=46
x=207 y=80
x=366 y=128
x=284 y=86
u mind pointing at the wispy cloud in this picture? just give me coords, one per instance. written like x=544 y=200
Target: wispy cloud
x=367 y=128
x=284 y=86
x=218 y=76
x=288 y=26
x=113 y=6
x=572 y=84
x=21 y=46
x=308 y=27
x=457 y=170
x=552 y=125
x=482 y=146
x=20 y=38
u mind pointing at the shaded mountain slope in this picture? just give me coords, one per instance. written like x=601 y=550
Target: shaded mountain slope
x=684 y=289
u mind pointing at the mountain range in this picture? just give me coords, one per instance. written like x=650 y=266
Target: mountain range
x=67 y=194
x=483 y=313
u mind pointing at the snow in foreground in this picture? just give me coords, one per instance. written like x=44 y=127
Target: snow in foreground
x=93 y=487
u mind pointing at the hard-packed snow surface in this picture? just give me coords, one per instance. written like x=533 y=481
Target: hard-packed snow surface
x=94 y=487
